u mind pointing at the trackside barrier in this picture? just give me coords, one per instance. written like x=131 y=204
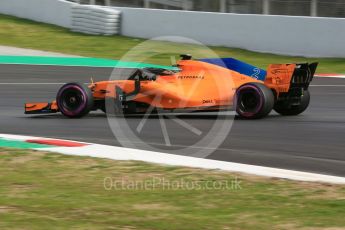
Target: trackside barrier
x=287 y=35
x=56 y=12
x=96 y=20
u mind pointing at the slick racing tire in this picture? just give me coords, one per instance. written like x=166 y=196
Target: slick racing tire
x=286 y=109
x=253 y=101
x=74 y=100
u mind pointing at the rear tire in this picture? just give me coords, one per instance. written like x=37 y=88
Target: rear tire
x=74 y=100
x=253 y=101
x=286 y=109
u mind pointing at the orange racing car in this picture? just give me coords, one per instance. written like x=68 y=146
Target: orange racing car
x=194 y=85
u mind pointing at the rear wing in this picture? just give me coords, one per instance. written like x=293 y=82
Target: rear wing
x=278 y=76
x=283 y=77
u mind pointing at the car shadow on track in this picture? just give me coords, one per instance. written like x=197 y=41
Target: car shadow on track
x=154 y=116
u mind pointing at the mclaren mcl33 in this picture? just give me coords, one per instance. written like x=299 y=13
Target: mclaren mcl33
x=194 y=85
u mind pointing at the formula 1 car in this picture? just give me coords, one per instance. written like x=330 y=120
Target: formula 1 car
x=195 y=85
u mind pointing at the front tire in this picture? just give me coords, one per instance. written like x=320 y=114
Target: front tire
x=285 y=108
x=253 y=101
x=74 y=100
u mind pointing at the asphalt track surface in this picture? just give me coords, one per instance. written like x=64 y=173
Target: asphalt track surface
x=312 y=142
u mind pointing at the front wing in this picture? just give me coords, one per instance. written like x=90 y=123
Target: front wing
x=41 y=108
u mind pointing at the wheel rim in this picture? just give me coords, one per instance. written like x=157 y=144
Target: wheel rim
x=249 y=101
x=72 y=100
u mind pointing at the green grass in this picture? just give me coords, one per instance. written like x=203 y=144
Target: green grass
x=41 y=190
x=27 y=34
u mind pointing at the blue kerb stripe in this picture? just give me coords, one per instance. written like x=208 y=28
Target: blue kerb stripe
x=238 y=66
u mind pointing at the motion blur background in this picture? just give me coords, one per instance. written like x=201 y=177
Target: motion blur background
x=315 y=8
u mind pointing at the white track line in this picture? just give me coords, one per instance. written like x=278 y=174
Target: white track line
x=119 y=153
x=56 y=83
x=327 y=85
x=335 y=76
x=62 y=65
x=39 y=83
x=62 y=83
x=26 y=83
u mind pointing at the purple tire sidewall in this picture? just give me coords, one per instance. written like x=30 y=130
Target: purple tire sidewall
x=82 y=106
x=261 y=103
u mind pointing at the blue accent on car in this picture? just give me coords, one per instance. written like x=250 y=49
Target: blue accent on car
x=238 y=66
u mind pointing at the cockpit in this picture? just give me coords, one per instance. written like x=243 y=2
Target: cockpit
x=150 y=74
